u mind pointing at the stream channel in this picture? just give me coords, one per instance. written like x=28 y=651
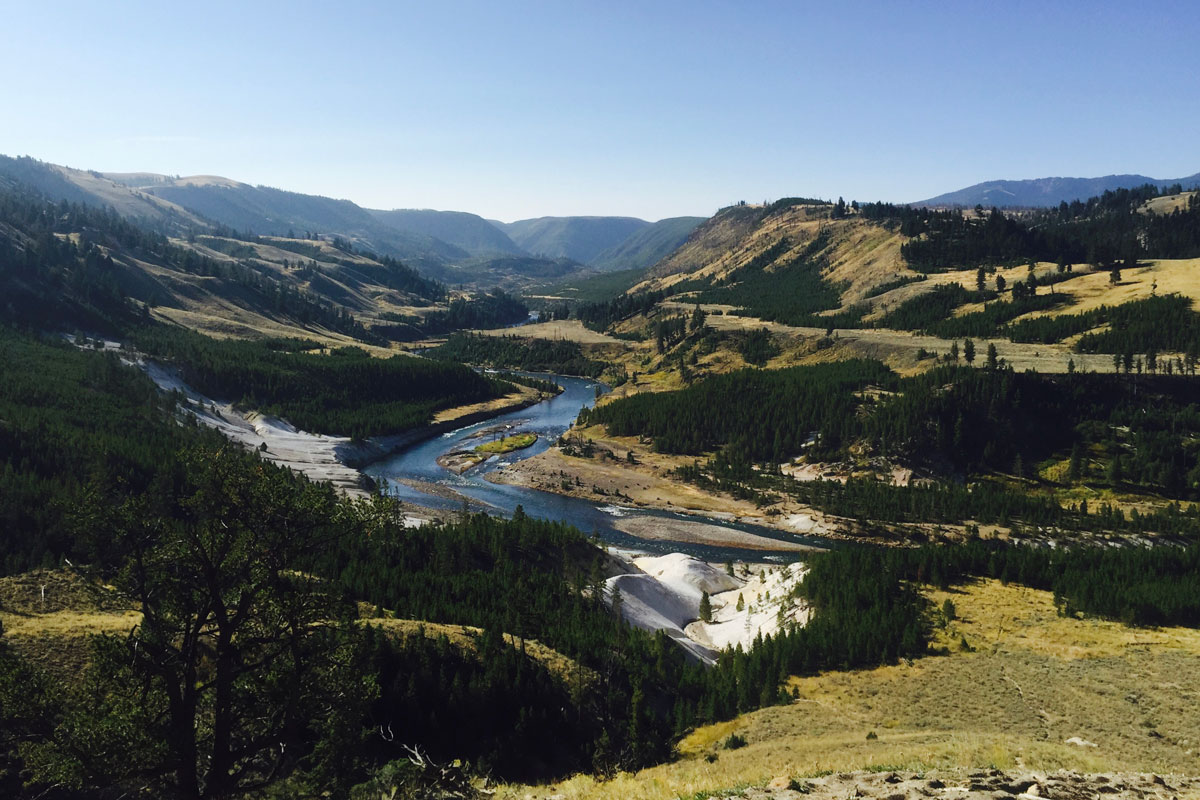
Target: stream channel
x=549 y=419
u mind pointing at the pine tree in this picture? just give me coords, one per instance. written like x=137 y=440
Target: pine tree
x=1115 y=471
x=705 y=608
x=1075 y=472
x=968 y=351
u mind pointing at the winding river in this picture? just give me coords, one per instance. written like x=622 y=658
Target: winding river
x=404 y=473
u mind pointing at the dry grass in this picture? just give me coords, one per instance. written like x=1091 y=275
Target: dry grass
x=47 y=615
x=522 y=397
x=571 y=330
x=465 y=636
x=1033 y=681
x=1167 y=203
x=223 y=320
x=51 y=634
x=647 y=483
x=1167 y=276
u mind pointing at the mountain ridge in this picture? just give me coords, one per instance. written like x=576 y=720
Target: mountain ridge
x=1042 y=192
x=478 y=253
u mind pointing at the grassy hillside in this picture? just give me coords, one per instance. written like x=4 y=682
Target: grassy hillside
x=1029 y=681
x=267 y=211
x=647 y=246
x=578 y=238
x=92 y=188
x=749 y=256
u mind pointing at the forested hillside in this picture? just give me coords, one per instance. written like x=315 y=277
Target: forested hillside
x=534 y=355
x=647 y=246
x=469 y=232
x=347 y=392
x=1103 y=230
x=1125 y=431
x=577 y=238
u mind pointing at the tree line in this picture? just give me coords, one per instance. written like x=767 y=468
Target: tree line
x=516 y=352
x=347 y=392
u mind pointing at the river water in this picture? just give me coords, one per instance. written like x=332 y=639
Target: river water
x=549 y=419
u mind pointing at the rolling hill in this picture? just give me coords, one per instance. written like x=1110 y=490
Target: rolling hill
x=578 y=238
x=1041 y=192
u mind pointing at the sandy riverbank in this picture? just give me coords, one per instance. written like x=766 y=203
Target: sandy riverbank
x=647 y=483
x=694 y=532
x=333 y=459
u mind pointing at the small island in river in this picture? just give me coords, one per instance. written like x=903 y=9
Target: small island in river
x=459 y=461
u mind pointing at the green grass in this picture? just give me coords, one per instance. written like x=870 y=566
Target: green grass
x=507 y=444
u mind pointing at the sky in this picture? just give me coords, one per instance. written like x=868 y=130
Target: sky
x=649 y=109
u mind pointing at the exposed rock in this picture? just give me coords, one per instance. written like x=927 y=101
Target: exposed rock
x=974 y=785
x=1075 y=740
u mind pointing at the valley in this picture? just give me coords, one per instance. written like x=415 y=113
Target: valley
x=822 y=487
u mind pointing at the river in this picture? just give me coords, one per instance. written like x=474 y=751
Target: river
x=549 y=419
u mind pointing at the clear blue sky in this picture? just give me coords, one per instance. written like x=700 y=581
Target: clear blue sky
x=650 y=109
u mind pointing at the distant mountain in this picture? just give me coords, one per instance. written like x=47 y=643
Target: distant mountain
x=275 y=212
x=578 y=238
x=1047 y=191
x=647 y=246
x=469 y=232
x=455 y=247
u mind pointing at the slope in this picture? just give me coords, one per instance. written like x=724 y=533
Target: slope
x=647 y=246
x=1035 y=690
x=81 y=267
x=77 y=186
x=748 y=253
x=468 y=232
x=1048 y=191
x=275 y=212
x=578 y=238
